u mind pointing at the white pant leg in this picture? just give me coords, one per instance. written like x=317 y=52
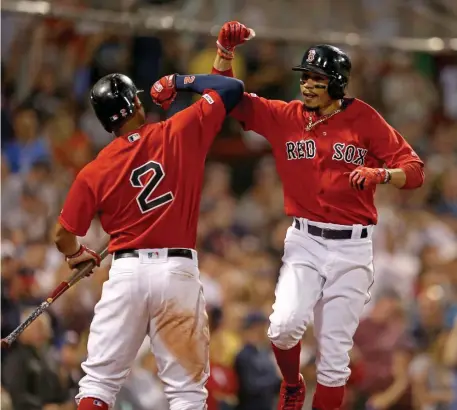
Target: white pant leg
x=180 y=337
x=337 y=314
x=117 y=331
x=298 y=289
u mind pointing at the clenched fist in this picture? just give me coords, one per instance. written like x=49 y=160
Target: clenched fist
x=163 y=91
x=363 y=177
x=82 y=255
x=232 y=34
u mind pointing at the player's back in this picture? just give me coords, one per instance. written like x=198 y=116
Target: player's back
x=148 y=184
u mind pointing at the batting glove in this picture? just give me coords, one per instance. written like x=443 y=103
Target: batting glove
x=363 y=177
x=163 y=91
x=232 y=34
x=84 y=254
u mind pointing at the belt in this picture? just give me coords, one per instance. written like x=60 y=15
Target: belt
x=327 y=233
x=172 y=253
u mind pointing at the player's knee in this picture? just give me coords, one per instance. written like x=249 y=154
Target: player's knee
x=333 y=369
x=188 y=400
x=285 y=333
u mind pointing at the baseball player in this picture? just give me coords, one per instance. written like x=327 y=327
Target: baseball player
x=330 y=153
x=145 y=187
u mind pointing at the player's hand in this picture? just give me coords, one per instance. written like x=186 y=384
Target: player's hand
x=84 y=254
x=363 y=177
x=232 y=34
x=163 y=92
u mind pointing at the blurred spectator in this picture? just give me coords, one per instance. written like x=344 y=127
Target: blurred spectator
x=49 y=132
x=450 y=360
x=142 y=389
x=258 y=377
x=222 y=383
x=70 y=146
x=11 y=186
x=28 y=145
x=447 y=204
x=70 y=371
x=407 y=94
x=428 y=316
x=432 y=381
x=266 y=74
x=45 y=97
x=10 y=281
x=28 y=373
x=29 y=221
x=383 y=351
x=264 y=200
x=41 y=180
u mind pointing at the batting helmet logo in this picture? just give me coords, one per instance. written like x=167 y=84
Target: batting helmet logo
x=311 y=56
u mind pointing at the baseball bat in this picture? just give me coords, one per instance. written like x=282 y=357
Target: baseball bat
x=78 y=273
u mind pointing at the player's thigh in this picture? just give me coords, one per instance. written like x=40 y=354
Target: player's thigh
x=180 y=339
x=297 y=291
x=119 y=325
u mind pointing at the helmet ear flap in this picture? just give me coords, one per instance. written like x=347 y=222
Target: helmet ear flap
x=336 y=89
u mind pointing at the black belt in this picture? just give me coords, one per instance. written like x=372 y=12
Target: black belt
x=331 y=233
x=172 y=253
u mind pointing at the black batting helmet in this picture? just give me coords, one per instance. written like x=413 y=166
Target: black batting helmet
x=112 y=98
x=330 y=61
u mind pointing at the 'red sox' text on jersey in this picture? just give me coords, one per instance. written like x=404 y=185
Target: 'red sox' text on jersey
x=313 y=164
x=145 y=186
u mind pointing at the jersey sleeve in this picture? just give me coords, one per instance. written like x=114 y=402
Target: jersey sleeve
x=79 y=207
x=201 y=121
x=258 y=114
x=387 y=145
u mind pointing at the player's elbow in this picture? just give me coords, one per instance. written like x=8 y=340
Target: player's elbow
x=233 y=93
x=415 y=175
x=59 y=234
x=238 y=88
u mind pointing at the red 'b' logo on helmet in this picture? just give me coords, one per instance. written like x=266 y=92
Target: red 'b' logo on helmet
x=311 y=55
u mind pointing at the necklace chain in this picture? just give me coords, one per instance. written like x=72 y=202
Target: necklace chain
x=312 y=124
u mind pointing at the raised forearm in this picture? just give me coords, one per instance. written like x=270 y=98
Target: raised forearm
x=221 y=65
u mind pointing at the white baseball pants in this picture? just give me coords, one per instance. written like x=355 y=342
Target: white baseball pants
x=330 y=279
x=157 y=296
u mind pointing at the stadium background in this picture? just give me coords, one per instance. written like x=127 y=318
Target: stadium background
x=405 y=355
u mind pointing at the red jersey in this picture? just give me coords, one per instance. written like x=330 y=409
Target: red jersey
x=312 y=164
x=146 y=185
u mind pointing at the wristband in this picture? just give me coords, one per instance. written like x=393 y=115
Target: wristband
x=79 y=252
x=223 y=52
x=387 y=177
x=225 y=73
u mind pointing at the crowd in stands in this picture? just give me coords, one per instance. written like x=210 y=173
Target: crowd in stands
x=405 y=351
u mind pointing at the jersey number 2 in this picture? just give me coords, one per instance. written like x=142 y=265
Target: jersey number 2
x=145 y=203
